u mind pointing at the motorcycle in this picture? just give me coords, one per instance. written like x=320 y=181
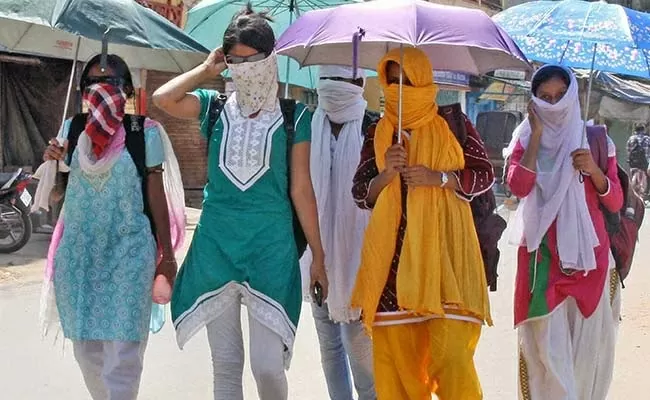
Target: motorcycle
x=15 y=201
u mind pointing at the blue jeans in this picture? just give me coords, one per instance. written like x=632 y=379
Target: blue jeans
x=344 y=347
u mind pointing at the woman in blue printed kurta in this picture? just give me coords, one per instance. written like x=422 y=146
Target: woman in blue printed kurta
x=105 y=251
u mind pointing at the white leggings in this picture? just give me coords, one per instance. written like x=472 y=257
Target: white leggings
x=111 y=369
x=227 y=347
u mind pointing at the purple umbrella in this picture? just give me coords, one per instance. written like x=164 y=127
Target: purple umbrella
x=454 y=38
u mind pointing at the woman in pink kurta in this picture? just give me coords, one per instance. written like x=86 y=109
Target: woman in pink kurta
x=564 y=311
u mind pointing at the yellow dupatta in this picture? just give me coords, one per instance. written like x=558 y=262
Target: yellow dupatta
x=440 y=262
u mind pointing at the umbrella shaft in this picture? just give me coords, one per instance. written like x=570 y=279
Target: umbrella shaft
x=401 y=94
x=286 y=81
x=588 y=98
x=72 y=73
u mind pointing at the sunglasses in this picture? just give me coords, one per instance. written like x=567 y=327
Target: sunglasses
x=240 y=60
x=109 y=80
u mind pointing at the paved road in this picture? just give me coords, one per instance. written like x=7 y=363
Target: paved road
x=32 y=368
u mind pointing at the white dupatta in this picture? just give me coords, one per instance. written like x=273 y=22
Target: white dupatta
x=558 y=193
x=333 y=163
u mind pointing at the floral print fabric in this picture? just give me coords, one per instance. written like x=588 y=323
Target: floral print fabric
x=569 y=32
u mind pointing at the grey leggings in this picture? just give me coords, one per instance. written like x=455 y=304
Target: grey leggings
x=111 y=369
x=227 y=347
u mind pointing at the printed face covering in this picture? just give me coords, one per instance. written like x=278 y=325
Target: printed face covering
x=256 y=84
x=106 y=104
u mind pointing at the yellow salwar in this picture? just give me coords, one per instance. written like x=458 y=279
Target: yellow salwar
x=440 y=269
x=436 y=356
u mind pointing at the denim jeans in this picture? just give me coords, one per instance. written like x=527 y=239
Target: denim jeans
x=346 y=350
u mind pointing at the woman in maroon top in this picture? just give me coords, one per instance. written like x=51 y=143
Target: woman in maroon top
x=475 y=179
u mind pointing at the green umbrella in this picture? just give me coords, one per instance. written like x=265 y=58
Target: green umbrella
x=208 y=20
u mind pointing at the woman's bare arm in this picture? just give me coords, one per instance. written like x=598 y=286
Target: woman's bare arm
x=160 y=214
x=174 y=96
x=304 y=200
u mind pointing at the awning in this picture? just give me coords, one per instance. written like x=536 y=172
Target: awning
x=501 y=90
x=631 y=90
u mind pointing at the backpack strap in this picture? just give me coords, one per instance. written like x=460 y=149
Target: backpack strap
x=135 y=142
x=135 y=145
x=288 y=108
x=77 y=125
x=217 y=103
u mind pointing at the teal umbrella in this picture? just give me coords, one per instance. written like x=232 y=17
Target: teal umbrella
x=208 y=20
x=74 y=29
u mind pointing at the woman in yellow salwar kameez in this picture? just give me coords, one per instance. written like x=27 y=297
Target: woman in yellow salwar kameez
x=421 y=284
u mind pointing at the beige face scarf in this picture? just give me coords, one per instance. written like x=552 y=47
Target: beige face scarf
x=256 y=84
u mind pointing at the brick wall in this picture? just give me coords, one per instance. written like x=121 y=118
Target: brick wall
x=184 y=135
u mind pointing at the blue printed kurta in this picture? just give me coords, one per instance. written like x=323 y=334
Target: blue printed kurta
x=105 y=262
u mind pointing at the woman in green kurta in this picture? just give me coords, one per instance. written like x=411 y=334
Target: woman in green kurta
x=243 y=251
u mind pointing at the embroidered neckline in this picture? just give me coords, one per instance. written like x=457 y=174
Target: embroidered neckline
x=245 y=153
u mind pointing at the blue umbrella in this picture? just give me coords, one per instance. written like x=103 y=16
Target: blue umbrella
x=581 y=34
x=207 y=22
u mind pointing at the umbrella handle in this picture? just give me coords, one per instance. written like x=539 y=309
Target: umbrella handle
x=104 y=57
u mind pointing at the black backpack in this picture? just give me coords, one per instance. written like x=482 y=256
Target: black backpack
x=134 y=143
x=288 y=107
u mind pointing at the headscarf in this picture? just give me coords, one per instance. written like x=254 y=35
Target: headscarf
x=558 y=193
x=440 y=262
x=106 y=108
x=333 y=164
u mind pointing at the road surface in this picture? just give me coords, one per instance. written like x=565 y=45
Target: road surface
x=32 y=368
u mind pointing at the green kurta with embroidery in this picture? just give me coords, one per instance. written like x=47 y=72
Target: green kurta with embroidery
x=243 y=248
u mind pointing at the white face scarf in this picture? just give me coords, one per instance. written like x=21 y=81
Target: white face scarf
x=342 y=223
x=256 y=84
x=558 y=193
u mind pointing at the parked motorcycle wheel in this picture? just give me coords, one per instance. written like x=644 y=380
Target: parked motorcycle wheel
x=15 y=227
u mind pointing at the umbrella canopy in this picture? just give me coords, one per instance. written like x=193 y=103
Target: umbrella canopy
x=454 y=38
x=139 y=35
x=581 y=34
x=208 y=21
